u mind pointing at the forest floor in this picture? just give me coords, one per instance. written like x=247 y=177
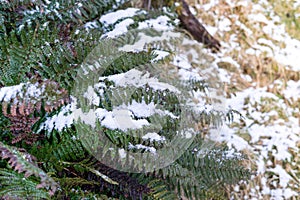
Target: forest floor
x=260 y=60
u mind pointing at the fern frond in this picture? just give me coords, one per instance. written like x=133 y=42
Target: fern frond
x=14 y=185
x=197 y=176
x=110 y=180
x=24 y=162
x=60 y=146
x=160 y=190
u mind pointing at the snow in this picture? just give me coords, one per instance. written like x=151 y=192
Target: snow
x=296 y=3
x=160 y=23
x=59 y=121
x=225 y=24
x=181 y=61
x=282 y=194
x=33 y=91
x=211 y=4
x=227 y=134
x=146 y=39
x=293 y=90
x=23 y=90
x=287 y=56
x=137 y=78
x=274 y=138
x=122 y=153
x=154 y=137
x=244 y=27
x=8 y=93
x=283 y=137
x=142 y=109
x=140 y=146
x=282 y=142
x=258 y=17
x=120 y=28
x=283 y=175
x=90 y=25
x=91 y=96
x=121 y=119
x=113 y=17
x=211 y=29
x=160 y=55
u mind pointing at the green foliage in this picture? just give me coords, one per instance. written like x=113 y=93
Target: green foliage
x=5 y=135
x=204 y=176
x=24 y=162
x=46 y=46
x=17 y=186
x=38 y=49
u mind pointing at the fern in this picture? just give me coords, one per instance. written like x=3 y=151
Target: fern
x=23 y=162
x=17 y=186
x=206 y=175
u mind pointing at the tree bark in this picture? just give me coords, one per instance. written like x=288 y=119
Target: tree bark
x=197 y=30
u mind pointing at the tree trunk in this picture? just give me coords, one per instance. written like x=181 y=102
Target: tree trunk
x=196 y=29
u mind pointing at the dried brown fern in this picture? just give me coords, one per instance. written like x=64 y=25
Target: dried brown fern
x=21 y=111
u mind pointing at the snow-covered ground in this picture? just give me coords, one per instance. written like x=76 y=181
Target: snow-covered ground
x=271 y=128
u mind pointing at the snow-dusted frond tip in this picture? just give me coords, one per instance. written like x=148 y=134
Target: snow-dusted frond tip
x=8 y=93
x=119 y=29
x=140 y=146
x=121 y=117
x=145 y=110
x=113 y=17
x=61 y=120
x=160 y=55
x=145 y=39
x=137 y=79
x=120 y=19
x=24 y=90
x=153 y=137
x=160 y=23
x=90 y=25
